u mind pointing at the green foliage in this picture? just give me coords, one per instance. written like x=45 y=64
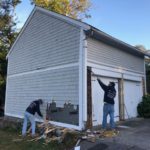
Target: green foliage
x=148 y=75
x=76 y=9
x=7 y=23
x=7 y=37
x=9 y=135
x=144 y=107
x=3 y=72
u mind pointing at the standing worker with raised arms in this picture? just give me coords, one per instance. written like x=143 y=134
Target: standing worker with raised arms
x=108 y=108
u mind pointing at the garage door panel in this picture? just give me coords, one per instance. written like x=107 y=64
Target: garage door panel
x=97 y=100
x=132 y=96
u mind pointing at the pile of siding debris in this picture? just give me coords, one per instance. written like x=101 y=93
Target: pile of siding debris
x=92 y=136
x=50 y=133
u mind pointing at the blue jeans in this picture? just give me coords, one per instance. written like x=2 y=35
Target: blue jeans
x=108 y=109
x=31 y=118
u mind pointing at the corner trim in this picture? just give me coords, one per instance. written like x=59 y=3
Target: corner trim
x=81 y=80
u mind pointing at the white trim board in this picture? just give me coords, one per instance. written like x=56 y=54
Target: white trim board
x=84 y=78
x=114 y=74
x=114 y=69
x=106 y=73
x=43 y=70
x=132 y=78
x=112 y=66
x=81 y=80
x=52 y=122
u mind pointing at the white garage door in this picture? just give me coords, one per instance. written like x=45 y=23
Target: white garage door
x=132 y=96
x=97 y=100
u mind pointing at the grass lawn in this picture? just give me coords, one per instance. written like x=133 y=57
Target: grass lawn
x=8 y=135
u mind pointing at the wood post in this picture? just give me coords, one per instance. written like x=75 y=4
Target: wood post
x=89 y=99
x=121 y=99
x=144 y=86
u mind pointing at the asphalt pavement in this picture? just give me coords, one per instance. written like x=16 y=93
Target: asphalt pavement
x=134 y=134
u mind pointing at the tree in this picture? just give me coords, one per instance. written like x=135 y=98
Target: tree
x=143 y=107
x=147 y=60
x=3 y=68
x=7 y=37
x=76 y=9
x=141 y=47
x=147 y=66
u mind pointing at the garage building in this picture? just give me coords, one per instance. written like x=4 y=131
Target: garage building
x=58 y=59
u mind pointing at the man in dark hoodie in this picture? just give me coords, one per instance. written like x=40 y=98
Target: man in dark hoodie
x=108 y=108
x=33 y=108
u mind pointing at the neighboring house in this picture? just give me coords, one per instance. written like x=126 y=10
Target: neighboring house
x=58 y=59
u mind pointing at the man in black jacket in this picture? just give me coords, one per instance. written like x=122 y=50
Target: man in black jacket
x=33 y=108
x=108 y=108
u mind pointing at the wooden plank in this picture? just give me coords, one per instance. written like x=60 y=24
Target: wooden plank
x=144 y=86
x=89 y=99
x=121 y=99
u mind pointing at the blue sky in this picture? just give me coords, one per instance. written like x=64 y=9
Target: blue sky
x=127 y=20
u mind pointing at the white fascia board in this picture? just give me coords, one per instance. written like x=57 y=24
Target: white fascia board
x=65 y=18
x=22 y=30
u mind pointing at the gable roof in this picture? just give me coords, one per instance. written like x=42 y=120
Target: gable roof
x=56 y=15
x=90 y=31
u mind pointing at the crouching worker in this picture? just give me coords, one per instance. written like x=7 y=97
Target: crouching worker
x=33 y=108
x=108 y=108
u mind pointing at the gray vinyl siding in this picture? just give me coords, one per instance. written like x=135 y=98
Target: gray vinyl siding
x=100 y=52
x=61 y=85
x=46 y=42
x=44 y=63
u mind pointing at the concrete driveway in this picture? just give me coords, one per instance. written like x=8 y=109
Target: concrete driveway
x=133 y=135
